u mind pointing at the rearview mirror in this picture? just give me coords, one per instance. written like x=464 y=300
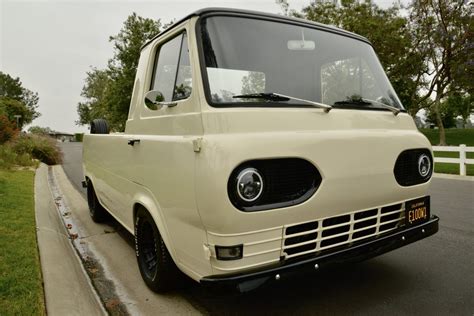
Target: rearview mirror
x=301 y=45
x=154 y=100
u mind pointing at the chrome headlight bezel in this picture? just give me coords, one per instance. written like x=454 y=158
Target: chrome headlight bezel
x=243 y=182
x=424 y=165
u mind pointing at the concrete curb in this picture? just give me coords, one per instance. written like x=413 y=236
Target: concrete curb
x=68 y=290
x=452 y=177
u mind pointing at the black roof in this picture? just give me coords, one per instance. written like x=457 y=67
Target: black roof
x=249 y=13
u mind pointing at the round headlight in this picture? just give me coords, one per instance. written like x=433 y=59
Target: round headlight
x=424 y=165
x=249 y=184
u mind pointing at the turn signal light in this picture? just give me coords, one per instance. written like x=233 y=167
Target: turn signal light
x=229 y=252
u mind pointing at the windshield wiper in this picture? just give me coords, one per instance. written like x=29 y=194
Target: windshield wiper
x=364 y=101
x=394 y=110
x=265 y=96
x=281 y=97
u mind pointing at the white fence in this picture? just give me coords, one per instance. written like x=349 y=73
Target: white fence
x=462 y=160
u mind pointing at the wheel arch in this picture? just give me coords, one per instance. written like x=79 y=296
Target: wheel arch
x=144 y=199
x=148 y=203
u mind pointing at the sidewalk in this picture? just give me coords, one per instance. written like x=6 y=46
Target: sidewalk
x=67 y=288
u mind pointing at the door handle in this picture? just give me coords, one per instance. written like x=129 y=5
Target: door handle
x=132 y=142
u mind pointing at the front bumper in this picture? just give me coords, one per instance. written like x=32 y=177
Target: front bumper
x=361 y=251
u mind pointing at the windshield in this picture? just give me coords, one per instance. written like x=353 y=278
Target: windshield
x=244 y=57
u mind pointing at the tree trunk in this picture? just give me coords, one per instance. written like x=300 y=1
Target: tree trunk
x=439 y=122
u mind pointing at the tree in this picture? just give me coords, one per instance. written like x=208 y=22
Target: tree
x=37 y=130
x=284 y=5
x=96 y=93
x=12 y=89
x=447 y=113
x=445 y=30
x=462 y=105
x=107 y=92
x=463 y=64
x=7 y=129
x=10 y=108
x=390 y=35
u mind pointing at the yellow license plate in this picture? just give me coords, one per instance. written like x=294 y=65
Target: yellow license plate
x=417 y=211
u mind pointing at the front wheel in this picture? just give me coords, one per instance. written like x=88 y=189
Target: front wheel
x=154 y=261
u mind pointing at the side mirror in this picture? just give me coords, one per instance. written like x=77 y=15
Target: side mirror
x=154 y=100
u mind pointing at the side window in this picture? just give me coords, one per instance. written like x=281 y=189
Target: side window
x=172 y=75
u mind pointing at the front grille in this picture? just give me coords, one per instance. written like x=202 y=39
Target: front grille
x=406 y=167
x=343 y=230
x=287 y=181
x=306 y=241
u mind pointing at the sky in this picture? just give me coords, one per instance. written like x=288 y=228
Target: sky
x=51 y=45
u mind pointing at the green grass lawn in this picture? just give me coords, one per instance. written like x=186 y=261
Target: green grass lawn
x=21 y=290
x=454 y=137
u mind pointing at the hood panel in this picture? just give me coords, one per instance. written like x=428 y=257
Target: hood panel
x=255 y=120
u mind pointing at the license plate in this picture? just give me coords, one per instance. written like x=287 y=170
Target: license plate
x=417 y=211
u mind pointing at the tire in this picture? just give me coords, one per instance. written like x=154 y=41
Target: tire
x=156 y=266
x=96 y=211
x=99 y=126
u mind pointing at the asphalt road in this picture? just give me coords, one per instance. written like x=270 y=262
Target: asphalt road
x=434 y=276
x=72 y=164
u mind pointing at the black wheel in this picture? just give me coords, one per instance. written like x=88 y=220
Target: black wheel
x=96 y=211
x=99 y=126
x=156 y=266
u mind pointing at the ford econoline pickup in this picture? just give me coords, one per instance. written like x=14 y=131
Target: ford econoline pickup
x=258 y=146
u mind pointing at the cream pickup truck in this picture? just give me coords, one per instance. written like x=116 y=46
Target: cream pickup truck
x=258 y=146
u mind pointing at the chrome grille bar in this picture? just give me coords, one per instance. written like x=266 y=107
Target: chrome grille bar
x=340 y=230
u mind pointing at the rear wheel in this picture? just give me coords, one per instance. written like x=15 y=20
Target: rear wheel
x=96 y=211
x=156 y=266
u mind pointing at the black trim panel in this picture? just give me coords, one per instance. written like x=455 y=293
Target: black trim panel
x=287 y=182
x=369 y=249
x=406 y=167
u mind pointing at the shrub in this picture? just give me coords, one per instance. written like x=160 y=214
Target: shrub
x=7 y=129
x=9 y=158
x=43 y=148
x=79 y=137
